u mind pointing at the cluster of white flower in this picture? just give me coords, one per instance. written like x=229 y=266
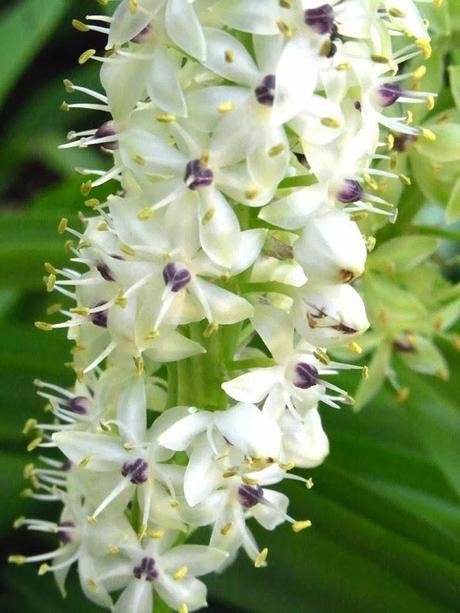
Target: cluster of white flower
x=242 y=136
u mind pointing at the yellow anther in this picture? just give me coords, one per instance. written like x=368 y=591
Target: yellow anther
x=155 y=534
x=309 y=483
x=409 y=118
x=173 y=504
x=183 y=608
x=133 y=6
x=29 y=426
x=355 y=348
x=286 y=4
x=330 y=122
x=343 y=66
x=405 y=180
x=69 y=86
x=152 y=334
x=402 y=394
x=180 y=573
x=390 y=142
x=208 y=216
x=128 y=250
x=166 y=118
x=322 y=356
x=44 y=568
x=428 y=134
x=103 y=226
x=365 y=372
x=438 y=3
x=139 y=160
x=430 y=103
x=91 y=520
x=261 y=559
x=86 y=187
x=287 y=467
x=139 y=364
x=229 y=56
x=28 y=471
x=395 y=12
x=121 y=301
x=380 y=59
x=64 y=106
x=83 y=463
x=248 y=481
x=83 y=311
x=92 y=203
x=19 y=522
x=86 y=55
x=43 y=325
x=114 y=550
x=252 y=193
x=80 y=26
x=419 y=73
x=228 y=474
x=284 y=28
x=225 y=107
x=34 y=444
x=443 y=374
x=424 y=45
x=226 y=529
x=145 y=214
x=276 y=150
x=27 y=493
x=17 y=559
x=62 y=227
x=211 y=329
x=298 y=526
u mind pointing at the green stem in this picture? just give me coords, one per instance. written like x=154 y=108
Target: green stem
x=200 y=377
x=252 y=363
x=270 y=286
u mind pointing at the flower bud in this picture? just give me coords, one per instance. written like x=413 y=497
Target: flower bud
x=328 y=315
x=331 y=249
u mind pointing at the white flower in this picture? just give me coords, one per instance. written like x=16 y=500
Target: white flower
x=157 y=566
x=295 y=381
x=329 y=315
x=331 y=249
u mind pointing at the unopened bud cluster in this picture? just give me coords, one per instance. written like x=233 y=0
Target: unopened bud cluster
x=206 y=291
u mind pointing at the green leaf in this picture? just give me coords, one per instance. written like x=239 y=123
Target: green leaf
x=402 y=253
x=453 y=206
x=378 y=369
x=454 y=78
x=24 y=28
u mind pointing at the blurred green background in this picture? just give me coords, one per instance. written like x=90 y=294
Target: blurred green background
x=386 y=504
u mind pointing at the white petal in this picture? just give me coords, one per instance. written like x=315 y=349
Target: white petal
x=270 y=517
x=202 y=475
x=126 y=24
x=252 y=386
x=181 y=434
x=147 y=153
x=132 y=409
x=206 y=103
x=228 y=58
x=189 y=591
x=252 y=432
x=163 y=84
x=199 y=559
x=256 y=16
x=293 y=211
x=184 y=28
x=105 y=451
x=173 y=346
x=132 y=73
x=304 y=443
x=275 y=328
x=137 y=597
x=219 y=227
x=225 y=307
x=331 y=248
x=296 y=79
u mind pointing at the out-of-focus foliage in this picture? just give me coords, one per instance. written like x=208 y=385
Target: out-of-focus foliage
x=386 y=504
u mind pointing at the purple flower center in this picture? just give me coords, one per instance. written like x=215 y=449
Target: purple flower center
x=265 y=92
x=306 y=376
x=136 y=471
x=250 y=495
x=197 y=175
x=321 y=19
x=177 y=278
x=105 y=272
x=78 y=405
x=389 y=93
x=107 y=129
x=143 y=35
x=146 y=570
x=99 y=318
x=351 y=191
x=65 y=536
